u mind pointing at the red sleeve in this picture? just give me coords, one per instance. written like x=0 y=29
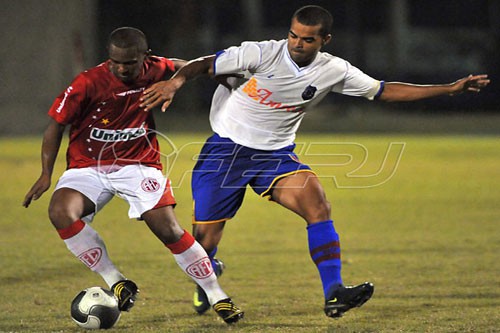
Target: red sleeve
x=169 y=65
x=70 y=103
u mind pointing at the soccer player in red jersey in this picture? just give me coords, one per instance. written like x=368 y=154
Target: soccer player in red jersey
x=113 y=150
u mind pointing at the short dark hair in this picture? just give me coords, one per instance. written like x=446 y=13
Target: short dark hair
x=314 y=15
x=127 y=37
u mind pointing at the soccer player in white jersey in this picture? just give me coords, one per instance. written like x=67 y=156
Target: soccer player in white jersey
x=113 y=150
x=255 y=125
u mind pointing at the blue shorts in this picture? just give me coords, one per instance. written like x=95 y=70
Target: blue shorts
x=224 y=169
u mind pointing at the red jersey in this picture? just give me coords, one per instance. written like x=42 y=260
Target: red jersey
x=107 y=124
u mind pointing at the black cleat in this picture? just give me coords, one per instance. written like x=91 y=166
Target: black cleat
x=126 y=291
x=229 y=312
x=200 y=299
x=345 y=298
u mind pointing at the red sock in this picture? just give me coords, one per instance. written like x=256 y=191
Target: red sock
x=72 y=230
x=194 y=261
x=86 y=244
x=182 y=244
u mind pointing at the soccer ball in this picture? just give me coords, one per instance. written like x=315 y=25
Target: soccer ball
x=95 y=308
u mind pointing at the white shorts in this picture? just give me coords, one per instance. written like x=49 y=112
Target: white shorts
x=141 y=186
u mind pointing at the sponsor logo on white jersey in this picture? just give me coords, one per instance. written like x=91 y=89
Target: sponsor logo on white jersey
x=127 y=134
x=264 y=96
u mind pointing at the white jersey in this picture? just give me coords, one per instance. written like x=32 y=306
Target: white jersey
x=266 y=111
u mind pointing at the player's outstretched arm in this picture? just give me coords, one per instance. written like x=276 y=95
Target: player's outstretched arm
x=403 y=92
x=164 y=91
x=52 y=138
x=178 y=63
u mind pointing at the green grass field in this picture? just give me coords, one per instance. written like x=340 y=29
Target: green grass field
x=423 y=226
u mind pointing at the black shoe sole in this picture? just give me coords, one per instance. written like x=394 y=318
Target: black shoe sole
x=337 y=311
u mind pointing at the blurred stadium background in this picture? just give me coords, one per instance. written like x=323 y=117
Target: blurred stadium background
x=47 y=42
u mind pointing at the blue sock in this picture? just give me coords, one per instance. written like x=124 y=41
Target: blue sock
x=324 y=248
x=211 y=256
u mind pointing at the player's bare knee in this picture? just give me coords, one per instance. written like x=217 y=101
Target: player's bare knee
x=60 y=216
x=169 y=239
x=208 y=235
x=166 y=230
x=327 y=207
x=168 y=236
x=319 y=212
x=202 y=235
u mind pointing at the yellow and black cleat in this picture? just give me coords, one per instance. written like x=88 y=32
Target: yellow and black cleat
x=200 y=301
x=229 y=312
x=126 y=292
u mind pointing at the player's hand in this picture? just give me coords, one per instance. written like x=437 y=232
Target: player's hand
x=159 y=92
x=471 y=83
x=36 y=191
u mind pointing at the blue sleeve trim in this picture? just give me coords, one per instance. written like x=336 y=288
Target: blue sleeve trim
x=215 y=59
x=380 y=90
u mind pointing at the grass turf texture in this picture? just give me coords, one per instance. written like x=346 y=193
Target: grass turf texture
x=428 y=237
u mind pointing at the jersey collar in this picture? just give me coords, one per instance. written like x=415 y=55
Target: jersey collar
x=298 y=71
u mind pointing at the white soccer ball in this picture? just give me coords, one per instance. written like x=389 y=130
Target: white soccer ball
x=95 y=308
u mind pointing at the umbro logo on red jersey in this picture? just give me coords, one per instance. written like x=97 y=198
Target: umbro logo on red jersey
x=130 y=92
